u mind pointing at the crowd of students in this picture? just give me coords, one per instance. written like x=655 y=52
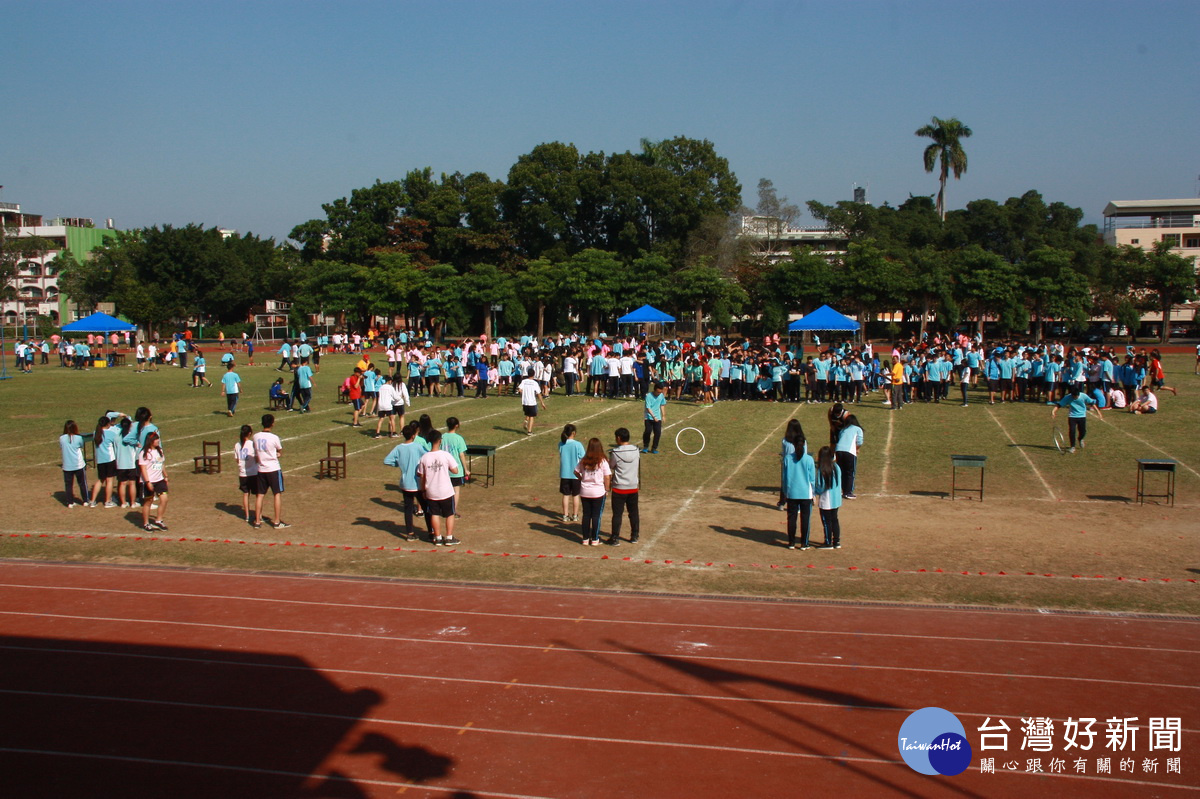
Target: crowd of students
x=131 y=470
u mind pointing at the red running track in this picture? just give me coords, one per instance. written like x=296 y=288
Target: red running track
x=139 y=682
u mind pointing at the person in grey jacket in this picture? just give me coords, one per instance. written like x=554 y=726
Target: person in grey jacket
x=625 y=460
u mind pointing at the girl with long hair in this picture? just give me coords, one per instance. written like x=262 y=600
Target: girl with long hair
x=247 y=459
x=126 y=463
x=845 y=448
x=796 y=483
x=595 y=477
x=103 y=444
x=73 y=464
x=829 y=497
x=570 y=453
x=152 y=465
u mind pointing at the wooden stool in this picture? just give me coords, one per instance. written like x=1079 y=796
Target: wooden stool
x=278 y=402
x=209 y=463
x=333 y=465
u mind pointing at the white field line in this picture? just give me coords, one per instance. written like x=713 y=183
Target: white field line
x=1024 y=455
x=696 y=492
x=550 y=617
x=887 y=453
x=1151 y=446
x=385 y=441
x=289 y=438
x=993 y=498
x=612 y=407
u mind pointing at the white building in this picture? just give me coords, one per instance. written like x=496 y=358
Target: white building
x=1144 y=223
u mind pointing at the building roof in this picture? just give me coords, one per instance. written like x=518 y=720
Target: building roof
x=1148 y=207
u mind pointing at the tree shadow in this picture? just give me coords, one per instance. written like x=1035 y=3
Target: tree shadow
x=567 y=533
x=382 y=525
x=549 y=514
x=1109 y=498
x=398 y=507
x=234 y=510
x=114 y=718
x=740 y=685
x=750 y=502
x=758 y=536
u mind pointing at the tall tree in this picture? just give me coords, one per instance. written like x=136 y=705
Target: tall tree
x=1171 y=278
x=591 y=280
x=946 y=150
x=540 y=283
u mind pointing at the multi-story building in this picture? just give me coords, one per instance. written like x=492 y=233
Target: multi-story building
x=36 y=280
x=775 y=240
x=1144 y=223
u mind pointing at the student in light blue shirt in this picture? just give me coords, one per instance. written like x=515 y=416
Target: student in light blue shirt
x=231 y=389
x=570 y=452
x=656 y=406
x=405 y=457
x=796 y=479
x=74 y=467
x=1078 y=404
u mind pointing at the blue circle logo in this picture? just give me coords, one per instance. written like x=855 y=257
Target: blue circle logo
x=933 y=741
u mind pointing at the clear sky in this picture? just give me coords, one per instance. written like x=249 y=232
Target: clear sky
x=249 y=115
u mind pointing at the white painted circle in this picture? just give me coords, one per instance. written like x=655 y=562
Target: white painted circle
x=682 y=451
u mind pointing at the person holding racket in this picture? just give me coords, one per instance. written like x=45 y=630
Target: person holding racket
x=1078 y=402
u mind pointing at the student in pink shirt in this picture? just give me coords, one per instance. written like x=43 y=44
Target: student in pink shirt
x=433 y=477
x=595 y=477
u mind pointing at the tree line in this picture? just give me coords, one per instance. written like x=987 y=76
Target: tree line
x=573 y=239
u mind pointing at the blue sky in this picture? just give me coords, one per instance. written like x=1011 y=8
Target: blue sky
x=249 y=115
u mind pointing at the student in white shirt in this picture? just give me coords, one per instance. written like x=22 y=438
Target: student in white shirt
x=267 y=448
x=531 y=394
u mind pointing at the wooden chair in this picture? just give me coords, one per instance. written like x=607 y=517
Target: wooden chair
x=209 y=463
x=333 y=465
x=278 y=402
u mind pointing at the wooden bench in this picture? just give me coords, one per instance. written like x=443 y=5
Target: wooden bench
x=209 y=463
x=333 y=465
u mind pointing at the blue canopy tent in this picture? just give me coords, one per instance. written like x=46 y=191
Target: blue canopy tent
x=824 y=318
x=647 y=314
x=99 y=323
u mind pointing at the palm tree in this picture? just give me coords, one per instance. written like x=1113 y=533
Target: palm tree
x=946 y=148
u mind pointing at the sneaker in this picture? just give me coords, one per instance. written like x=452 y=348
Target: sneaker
x=437 y=542
x=256 y=525
x=150 y=528
x=126 y=505
x=645 y=452
x=451 y=542
x=653 y=452
x=585 y=542
x=791 y=546
x=595 y=542
x=633 y=539
x=963 y=405
x=780 y=506
x=805 y=548
x=566 y=519
x=1082 y=445
x=613 y=542
x=89 y=504
x=837 y=546
x=849 y=496
x=110 y=504
x=1071 y=450
x=160 y=525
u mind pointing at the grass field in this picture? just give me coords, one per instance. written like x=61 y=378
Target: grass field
x=1053 y=531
